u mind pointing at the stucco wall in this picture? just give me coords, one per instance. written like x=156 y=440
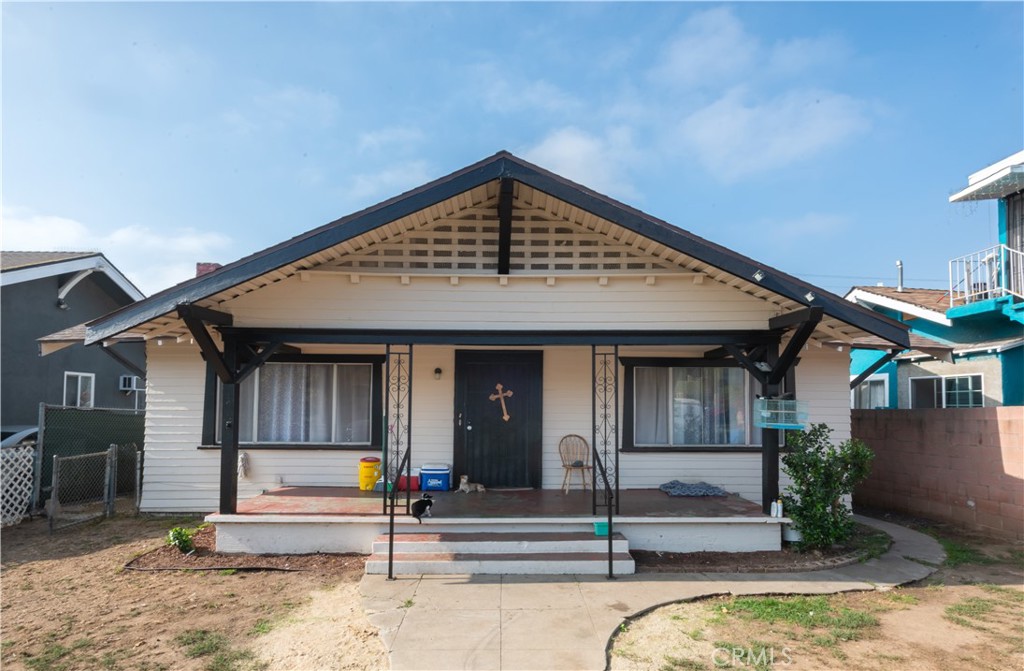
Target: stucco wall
x=988 y=366
x=958 y=465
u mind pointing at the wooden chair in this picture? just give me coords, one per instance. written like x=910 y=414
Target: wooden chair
x=575 y=453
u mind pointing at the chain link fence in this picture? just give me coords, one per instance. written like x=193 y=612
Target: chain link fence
x=71 y=432
x=89 y=486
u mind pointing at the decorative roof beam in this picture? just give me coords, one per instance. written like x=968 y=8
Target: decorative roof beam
x=505 y=225
x=806 y=320
x=194 y=318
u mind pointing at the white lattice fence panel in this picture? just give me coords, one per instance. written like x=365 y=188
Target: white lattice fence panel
x=16 y=464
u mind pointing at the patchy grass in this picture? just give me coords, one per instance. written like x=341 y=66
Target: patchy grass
x=958 y=554
x=261 y=627
x=200 y=642
x=215 y=646
x=56 y=657
x=806 y=611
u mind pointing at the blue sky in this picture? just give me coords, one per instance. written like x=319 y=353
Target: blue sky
x=821 y=139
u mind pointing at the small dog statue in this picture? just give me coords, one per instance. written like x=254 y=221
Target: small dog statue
x=422 y=507
x=466 y=486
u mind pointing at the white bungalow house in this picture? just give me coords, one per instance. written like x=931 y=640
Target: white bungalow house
x=476 y=321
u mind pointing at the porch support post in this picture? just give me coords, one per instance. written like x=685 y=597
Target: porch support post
x=770 y=441
x=229 y=412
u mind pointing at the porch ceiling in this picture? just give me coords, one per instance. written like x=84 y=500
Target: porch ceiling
x=458 y=237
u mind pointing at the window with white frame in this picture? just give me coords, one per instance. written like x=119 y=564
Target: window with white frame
x=683 y=406
x=78 y=389
x=318 y=403
x=947 y=391
x=871 y=394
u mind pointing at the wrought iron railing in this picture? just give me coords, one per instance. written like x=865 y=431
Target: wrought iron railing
x=991 y=273
x=392 y=497
x=609 y=503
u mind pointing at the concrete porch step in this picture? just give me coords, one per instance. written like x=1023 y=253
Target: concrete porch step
x=493 y=542
x=518 y=553
x=505 y=563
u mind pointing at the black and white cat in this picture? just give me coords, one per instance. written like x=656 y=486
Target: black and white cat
x=422 y=507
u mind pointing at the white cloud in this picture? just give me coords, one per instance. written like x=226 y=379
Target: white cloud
x=597 y=162
x=791 y=57
x=809 y=225
x=711 y=47
x=288 y=107
x=385 y=138
x=735 y=137
x=505 y=94
x=387 y=182
x=151 y=259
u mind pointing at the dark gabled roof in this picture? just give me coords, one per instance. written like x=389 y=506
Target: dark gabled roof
x=19 y=260
x=501 y=165
x=21 y=267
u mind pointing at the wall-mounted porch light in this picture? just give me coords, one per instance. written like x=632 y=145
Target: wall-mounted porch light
x=437 y=373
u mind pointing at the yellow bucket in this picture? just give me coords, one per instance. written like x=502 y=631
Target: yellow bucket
x=369 y=472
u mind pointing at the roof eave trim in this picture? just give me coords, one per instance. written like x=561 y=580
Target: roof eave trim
x=498 y=166
x=896 y=304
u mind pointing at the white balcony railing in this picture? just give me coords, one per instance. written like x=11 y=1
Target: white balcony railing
x=991 y=273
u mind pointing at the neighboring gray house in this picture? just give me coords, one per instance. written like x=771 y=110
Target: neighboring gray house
x=45 y=292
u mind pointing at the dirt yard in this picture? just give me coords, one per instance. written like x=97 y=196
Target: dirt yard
x=69 y=603
x=967 y=615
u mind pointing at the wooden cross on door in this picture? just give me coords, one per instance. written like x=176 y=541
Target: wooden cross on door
x=502 y=395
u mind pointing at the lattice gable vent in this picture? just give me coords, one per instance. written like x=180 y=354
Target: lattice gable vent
x=466 y=242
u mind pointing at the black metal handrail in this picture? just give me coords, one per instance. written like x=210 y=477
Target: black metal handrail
x=609 y=500
x=391 y=494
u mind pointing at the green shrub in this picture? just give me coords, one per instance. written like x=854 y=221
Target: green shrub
x=822 y=473
x=181 y=538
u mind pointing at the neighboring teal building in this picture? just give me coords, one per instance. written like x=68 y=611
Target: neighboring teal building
x=980 y=317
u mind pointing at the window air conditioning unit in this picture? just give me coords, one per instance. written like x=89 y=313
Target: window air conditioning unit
x=129 y=383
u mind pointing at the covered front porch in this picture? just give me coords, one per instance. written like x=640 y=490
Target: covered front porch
x=346 y=519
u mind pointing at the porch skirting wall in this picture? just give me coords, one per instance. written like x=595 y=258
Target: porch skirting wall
x=181 y=478
x=303 y=534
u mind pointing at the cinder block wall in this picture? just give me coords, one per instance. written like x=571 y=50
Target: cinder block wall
x=964 y=466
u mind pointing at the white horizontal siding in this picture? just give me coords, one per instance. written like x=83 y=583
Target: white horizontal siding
x=333 y=301
x=177 y=476
x=180 y=477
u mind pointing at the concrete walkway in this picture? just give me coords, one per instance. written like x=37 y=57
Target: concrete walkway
x=565 y=622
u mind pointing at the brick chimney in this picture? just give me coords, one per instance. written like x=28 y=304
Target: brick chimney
x=205 y=267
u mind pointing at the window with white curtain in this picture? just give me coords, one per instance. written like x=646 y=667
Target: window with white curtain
x=675 y=406
x=871 y=394
x=324 y=403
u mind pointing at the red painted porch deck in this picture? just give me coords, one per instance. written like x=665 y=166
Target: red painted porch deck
x=495 y=503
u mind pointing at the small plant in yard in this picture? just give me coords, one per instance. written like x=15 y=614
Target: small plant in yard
x=822 y=474
x=181 y=538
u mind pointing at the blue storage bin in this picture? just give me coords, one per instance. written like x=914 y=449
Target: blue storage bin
x=435 y=477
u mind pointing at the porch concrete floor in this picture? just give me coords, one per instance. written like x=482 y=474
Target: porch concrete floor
x=496 y=503
x=564 y=622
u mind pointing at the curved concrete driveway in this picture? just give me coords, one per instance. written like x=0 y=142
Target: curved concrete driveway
x=564 y=622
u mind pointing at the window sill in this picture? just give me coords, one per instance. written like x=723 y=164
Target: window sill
x=300 y=447
x=691 y=448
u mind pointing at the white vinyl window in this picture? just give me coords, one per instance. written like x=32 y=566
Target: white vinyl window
x=947 y=391
x=871 y=394
x=683 y=406
x=78 y=389
x=328 y=403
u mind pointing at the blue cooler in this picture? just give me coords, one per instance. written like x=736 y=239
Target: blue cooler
x=435 y=477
